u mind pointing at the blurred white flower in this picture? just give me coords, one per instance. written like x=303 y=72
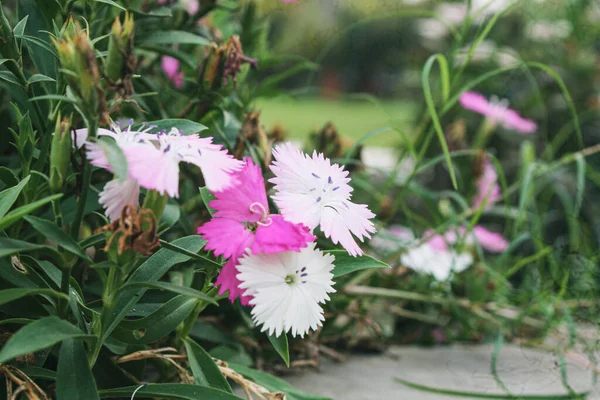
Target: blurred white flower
x=482 y=53
x=547 y=31
x=507 y=57
x=432 y=29
x=485 y=8
x=453 y=13
x=425 y=259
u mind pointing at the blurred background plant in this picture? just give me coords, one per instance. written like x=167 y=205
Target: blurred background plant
x=491 y=234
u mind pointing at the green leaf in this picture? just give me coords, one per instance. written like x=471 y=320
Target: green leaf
x=187 y=291
x=157 y=12
x=112 y=3
x=22 y=211
x=156 y=325
x=19 y=29
x=8 y=177
x=38 y=372
x=206 y=372
x=175 y=37
x=280 y=343
x=8 y=295
x=10 y=195
x=40 y=78
x=8 y=246
x=207 y=197
x=274 y=384
x=38 y=335
x=58 y=236
x=431 y=106
x=56 y=97
x=115 y=156
x=186 y=126
x=150 y=271
x=9 y=77
x=482 y=395
x=345 y=263
x=74 y=379
x=176 y=391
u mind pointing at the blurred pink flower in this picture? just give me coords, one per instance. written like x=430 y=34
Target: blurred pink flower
x=153 y=163
x=192 y=6
x=497 y=111
x=488 y=189
x=288 y=1
x=491 y=241
x=170 y=67
x=242 y=221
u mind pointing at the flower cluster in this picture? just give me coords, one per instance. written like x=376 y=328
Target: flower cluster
x=272 y=263
x=153 y=163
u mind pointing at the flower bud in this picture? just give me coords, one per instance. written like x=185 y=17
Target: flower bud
x=78 y=61
x=60 y=154
x=120 y=47
x=224 y=62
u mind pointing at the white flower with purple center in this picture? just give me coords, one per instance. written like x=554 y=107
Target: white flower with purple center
x=287 y=288
x=313 y=192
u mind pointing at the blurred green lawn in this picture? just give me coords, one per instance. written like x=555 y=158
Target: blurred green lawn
x=353 y=118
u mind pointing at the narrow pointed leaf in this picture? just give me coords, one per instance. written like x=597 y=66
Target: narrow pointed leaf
x=10 y=195
x=206 y=372
x=280 y=343
x=74 y=379
x=345 y=263
x=176 y=391
x=22 y=211
x=38 y=335
x=58 y=236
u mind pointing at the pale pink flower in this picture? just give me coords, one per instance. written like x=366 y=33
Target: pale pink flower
x=497 y=111
x=153 y=162
x=288 y=1
x=488 y=189
x=313 y=192
x=491 y=241
x=191 y=6
x=287 y=288
x=242 y=221
x=171 y=68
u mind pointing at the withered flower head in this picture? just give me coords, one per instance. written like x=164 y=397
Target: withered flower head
x=329 y=142
x=234 y=59
x=135 y=230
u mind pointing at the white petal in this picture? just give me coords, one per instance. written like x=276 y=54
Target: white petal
x=287 y=307
x=117 y=194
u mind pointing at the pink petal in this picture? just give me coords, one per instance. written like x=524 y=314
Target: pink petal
x=228 y=281
x=437 y=241
x=475 y=102
x=171 y=68
x=512 y=120
x=490 y=241
x=246 y=201
x=280 y=235
x=191 y=6
x=153 y=169
x=226 y=237
x=488 y=189
x=216 y=164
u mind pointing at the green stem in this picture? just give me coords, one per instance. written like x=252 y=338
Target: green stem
x=186 y=327
x=86 y=182
x=57 y=212
x=64 y=288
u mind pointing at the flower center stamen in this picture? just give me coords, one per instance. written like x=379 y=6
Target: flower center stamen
x=258 y=208
x=290 y=279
